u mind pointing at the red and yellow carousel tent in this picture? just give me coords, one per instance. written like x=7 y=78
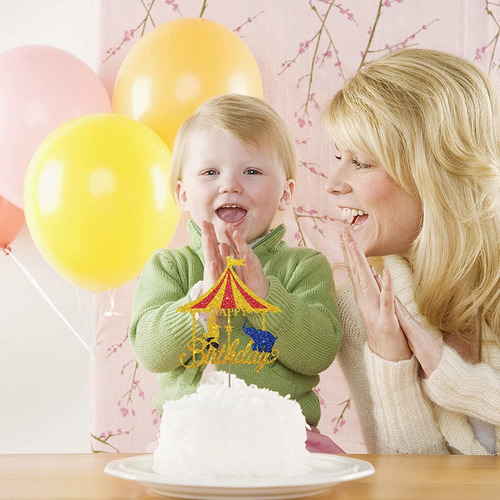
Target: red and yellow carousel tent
x=229 y=294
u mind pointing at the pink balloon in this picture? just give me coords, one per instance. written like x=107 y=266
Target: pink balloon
x=11 y=222
x=41 y=87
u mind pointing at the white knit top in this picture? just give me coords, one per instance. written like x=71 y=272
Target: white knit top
x=401 y=412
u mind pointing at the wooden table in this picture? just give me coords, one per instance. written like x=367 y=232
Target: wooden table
x=396 y=477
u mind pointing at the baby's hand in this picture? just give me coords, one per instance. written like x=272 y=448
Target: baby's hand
x=251 y=273
x=214 y=255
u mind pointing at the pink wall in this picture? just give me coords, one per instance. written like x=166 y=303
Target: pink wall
x=305 y=50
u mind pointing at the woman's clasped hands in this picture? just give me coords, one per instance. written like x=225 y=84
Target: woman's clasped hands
x=392 y=333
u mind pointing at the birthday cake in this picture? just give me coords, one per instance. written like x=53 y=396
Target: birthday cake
x=232 y=431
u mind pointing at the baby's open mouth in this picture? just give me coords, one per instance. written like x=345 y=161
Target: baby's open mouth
x=231 y=213
x=354 y=217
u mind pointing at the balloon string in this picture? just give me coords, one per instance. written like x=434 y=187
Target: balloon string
x=110 y=311
x=88 y=334
x=8 y=251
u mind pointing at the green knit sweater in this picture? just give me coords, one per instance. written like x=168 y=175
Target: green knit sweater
x=307 y=329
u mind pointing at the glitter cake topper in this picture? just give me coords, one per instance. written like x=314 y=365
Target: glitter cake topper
x=230 y=296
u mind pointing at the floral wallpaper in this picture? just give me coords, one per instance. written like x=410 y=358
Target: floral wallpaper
x=306 y=50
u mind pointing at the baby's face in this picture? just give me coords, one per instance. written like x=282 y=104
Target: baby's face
x=227 y=181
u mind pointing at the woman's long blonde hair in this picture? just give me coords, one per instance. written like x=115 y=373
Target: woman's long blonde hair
x=432 y=120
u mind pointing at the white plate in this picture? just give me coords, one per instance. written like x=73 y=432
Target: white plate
x=327 y=470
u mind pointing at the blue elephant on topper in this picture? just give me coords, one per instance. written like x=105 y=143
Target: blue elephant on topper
x=263 y=341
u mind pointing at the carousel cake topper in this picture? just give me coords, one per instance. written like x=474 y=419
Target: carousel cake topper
x=228 y=297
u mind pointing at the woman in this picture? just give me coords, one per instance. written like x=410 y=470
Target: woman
x=417 y=179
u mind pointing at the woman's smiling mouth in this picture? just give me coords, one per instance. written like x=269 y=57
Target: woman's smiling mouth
x=354 y=217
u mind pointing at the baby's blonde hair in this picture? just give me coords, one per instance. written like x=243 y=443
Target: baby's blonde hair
x=432 y=120
x=248 y=119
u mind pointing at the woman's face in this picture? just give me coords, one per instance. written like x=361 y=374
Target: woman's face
x=384 y=218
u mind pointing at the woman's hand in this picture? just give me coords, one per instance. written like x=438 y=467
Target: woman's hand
x=214 y=254
x=376 y=304
x=251 y=273
x=424 y=346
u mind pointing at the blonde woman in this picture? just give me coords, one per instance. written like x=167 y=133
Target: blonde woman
x=417 y=179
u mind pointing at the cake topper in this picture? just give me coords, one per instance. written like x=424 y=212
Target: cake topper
x=228 y=297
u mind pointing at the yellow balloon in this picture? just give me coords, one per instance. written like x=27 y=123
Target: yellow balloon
x=97 y=199
x=177 y=66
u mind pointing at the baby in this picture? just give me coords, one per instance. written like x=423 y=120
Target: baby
x=233 y=170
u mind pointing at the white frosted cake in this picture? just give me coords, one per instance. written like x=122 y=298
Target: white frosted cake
x=232 y=431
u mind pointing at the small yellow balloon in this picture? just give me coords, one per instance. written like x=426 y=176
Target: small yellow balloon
x=97 y=199
x=177 y=66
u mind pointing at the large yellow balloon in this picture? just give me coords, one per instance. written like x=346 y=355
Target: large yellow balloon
x=177 y=66
x=97 y=201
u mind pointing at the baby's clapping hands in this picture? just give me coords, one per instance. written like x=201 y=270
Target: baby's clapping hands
x=215 y=255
